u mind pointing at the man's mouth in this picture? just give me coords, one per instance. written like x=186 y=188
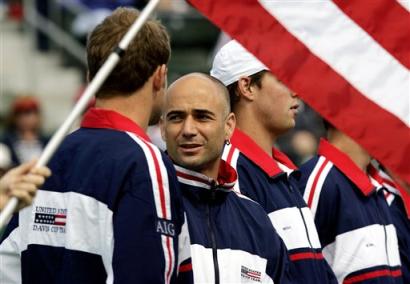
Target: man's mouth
x=190 y=147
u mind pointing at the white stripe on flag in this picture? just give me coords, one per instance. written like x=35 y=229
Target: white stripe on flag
x=341 y=43
x=405 y=4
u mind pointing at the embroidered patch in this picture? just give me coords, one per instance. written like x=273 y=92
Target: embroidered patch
x=165 y=227
x=250 y=274
x=50 y=219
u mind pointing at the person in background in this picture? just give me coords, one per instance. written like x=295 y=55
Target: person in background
x=265 y=109
x=112 y=211
x=22 y=182
x=23 y=134
x=354 y=222
x=232 y=239
x=398 y=200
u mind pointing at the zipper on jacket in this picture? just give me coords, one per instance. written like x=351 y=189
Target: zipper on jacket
x=384 y=222
x=211 y=232
x=301 y=214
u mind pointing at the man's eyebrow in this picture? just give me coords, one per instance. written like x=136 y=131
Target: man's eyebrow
x=203 y=111
x=173 y=112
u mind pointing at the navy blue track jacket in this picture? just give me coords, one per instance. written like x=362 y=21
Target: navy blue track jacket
x=399 y=204
x=232 y=238
x=352 y=217
x=264 y=179
x=110 y=213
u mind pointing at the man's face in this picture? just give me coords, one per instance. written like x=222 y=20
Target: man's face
x=276 y=105
x=196 y=123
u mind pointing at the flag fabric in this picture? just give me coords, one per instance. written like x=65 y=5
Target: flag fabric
x=349 y=60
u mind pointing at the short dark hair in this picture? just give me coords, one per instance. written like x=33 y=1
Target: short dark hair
x=256 y=79
x=148 y=50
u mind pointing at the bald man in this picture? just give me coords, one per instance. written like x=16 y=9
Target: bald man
x=232 y=239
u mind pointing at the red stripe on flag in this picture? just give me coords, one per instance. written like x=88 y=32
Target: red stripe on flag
x=60 y=216
x=381 y=133
x=313 y=188
x=305 y=255
x=392 y=32
x=373 y=274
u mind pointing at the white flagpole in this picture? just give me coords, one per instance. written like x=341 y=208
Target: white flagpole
x=91 y=89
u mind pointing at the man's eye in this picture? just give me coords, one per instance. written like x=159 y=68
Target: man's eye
x=174 y=117
x=203 y=117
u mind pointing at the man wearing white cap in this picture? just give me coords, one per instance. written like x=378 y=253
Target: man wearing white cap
x=265 y=109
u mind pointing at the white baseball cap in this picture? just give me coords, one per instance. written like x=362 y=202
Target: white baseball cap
x=233 y=61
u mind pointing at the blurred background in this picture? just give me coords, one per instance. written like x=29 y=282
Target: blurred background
x=43 y=67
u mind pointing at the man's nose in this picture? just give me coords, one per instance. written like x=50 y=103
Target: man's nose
x=189 y=127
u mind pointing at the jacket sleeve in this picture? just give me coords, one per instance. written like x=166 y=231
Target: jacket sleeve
x=10 y=264
x=278 y=266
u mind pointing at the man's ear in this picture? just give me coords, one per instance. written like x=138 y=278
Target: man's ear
x=160 y=78
x=230 y=125
x=245 y=89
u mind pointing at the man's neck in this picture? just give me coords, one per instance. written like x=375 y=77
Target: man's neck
x=355 y=152
x=247 y=122
x=211 y=170
x=136 y=107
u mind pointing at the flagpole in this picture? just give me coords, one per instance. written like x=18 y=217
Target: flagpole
x=78 y=109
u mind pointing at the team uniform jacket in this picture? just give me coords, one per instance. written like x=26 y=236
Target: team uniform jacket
x=110 y=213
x=264 y=179
x=352 y=217
x=232 y=239
x=399 y=203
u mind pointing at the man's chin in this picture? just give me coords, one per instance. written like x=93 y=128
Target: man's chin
x=193 y=165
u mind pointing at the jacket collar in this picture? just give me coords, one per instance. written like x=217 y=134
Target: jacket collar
x=346 y=166
x=226 y=180
x=387 y=182
x=108 y=119
x=253 y=152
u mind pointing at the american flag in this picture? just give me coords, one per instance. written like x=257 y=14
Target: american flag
x=50 y=219
x=250 y=274
x=349 y=60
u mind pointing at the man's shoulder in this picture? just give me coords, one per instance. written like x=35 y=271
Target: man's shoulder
x=247 y=204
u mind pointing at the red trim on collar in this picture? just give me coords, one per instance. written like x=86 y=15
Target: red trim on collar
x=103 y=118
x=283 y=159
x=227 y=176
x=405 y=197
x=346 y=166
x=252 y=151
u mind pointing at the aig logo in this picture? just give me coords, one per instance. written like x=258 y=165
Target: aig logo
x=165 y=227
